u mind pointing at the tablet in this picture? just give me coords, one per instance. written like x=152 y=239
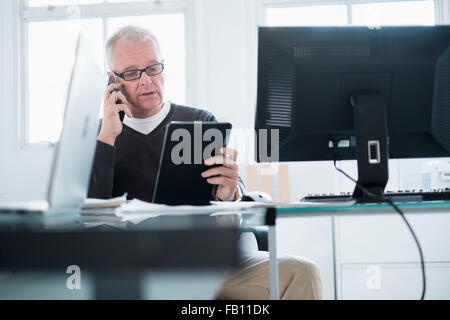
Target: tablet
x=186 y=146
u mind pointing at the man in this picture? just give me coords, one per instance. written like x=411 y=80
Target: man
x=127 y=157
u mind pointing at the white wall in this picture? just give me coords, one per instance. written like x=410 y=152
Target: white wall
x=446 y=10
x=24 y=172
x=224 y=86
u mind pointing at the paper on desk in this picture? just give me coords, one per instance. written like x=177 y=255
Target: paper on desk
x=239 y=205
x=136 y=211
x=102 y=203
x=141 y=207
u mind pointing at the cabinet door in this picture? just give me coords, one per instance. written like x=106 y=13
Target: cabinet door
x=394 y=281
x=386 y=239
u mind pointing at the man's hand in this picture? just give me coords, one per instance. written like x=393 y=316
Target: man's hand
x=111 y=124
x=227 y=175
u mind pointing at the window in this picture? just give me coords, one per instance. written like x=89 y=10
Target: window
x=329 y=15
x=50 y=30
x=394 y=13
x=350 y=12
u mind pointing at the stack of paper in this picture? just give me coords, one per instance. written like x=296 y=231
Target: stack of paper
x=97 y=212
x=136 y=211
x=101 y=203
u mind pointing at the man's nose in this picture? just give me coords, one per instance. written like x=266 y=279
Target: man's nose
x=145 y=79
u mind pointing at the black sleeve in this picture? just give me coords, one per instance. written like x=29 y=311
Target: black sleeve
x=102 y=175
x=209 y=117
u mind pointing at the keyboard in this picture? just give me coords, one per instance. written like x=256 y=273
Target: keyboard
x=396 y=196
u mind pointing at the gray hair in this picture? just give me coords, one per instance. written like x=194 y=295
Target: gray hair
x=129 y=33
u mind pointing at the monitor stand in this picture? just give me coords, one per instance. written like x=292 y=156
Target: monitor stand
x=370 y=123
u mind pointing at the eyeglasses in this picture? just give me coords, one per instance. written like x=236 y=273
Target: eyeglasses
x=131 y=75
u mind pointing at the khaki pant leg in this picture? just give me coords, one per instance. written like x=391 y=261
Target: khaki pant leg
x=299 y=279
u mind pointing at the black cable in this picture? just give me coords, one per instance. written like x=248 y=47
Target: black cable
x=397 y=209
x=422 y=263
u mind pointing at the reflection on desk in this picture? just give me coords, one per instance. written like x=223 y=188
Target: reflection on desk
x=109 y=254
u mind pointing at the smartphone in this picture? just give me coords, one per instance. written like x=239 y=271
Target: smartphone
x=121 y=113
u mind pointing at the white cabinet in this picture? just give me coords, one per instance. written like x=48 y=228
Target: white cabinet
x=368 y=247
x=394 y=281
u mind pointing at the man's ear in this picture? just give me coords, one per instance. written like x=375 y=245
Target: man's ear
x=116 y=78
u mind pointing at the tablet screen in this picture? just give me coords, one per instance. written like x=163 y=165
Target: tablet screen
x=186 y=146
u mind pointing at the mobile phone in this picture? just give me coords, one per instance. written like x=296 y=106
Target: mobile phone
x=121 y=113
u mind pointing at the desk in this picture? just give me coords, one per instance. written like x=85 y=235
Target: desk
x=31 y=238
x=334 y=210
x=33 y=242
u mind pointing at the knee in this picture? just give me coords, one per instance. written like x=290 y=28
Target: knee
x=300 y=278
x=300 y=267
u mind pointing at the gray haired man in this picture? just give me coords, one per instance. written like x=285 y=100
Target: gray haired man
x=128 y=153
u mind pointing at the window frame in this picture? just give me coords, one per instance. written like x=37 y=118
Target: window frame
x=102 y=11
x=441 y=15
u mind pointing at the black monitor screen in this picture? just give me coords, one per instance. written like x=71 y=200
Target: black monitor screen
x=308 y=75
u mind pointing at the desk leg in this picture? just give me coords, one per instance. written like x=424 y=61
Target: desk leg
x=117 y=286
x=273 y=264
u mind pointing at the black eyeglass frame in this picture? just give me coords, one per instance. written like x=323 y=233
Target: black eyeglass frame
x=122 y=75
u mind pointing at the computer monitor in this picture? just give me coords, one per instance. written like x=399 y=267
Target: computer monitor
x=355 y=93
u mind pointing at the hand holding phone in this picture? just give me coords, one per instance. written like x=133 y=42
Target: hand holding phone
x=115 y=108
x=121 y=113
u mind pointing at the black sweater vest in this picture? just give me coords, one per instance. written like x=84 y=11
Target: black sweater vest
x=131 y=166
